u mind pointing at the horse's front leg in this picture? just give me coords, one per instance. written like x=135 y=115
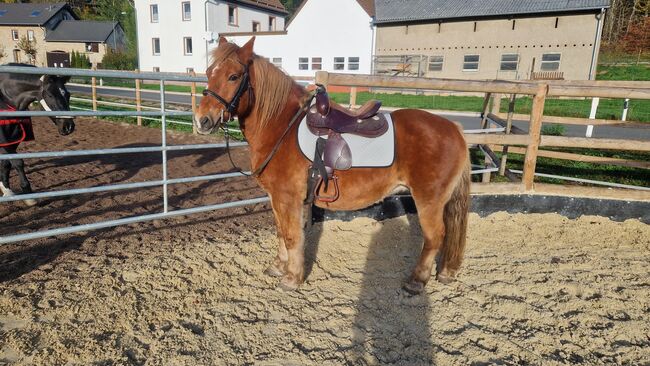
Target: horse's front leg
x=5 y=168
x=291 y=255
x=25 y=186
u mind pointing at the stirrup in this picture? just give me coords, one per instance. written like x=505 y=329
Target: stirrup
x=327 y=199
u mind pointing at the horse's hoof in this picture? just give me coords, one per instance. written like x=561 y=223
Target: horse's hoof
x=273 y=271
x=30 y=202
x=288 y=284
x=413 y=287
x=445 y=279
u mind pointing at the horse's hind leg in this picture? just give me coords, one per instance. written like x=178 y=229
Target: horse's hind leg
x=5 y=168
x=25 y=187
x=430 y=215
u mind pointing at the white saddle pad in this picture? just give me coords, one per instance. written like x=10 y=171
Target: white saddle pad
x=378 y=152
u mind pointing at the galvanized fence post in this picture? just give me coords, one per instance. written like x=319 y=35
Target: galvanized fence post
x=163 y=118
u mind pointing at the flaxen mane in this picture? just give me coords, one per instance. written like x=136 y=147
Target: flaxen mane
x=271 y=85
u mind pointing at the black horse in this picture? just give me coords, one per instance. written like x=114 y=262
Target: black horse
x=18 y=92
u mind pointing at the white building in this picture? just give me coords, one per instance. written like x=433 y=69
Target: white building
x=176 y=35
x=329 y=35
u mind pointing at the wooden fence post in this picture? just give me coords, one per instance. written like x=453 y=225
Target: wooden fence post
x=534 y=135
x=353 y=96
x=322 y=77
x=504 y=156
x=138 y=98
x=484 y=110
x=193 y=93
x=93 y=87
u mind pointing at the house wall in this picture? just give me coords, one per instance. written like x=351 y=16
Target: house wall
x=10 y=45
x=94 y=57
x=322 y=28
x=573 y=38
x=171 y=29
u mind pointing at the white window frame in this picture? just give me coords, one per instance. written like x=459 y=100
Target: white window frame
x=151 y=13
x=259 y=26
x=303 y=61
x=317 y=63
x=543 y=65
x=437 y=60
x=502 y=62
x=153 y=46
x=277 y=62
x=15 y=35
x=185 y=51
x=183 y=14
x=272 y=23
x=235 y=15
x=477 y=62
x=30 y=35
x=352 y=64
x=339 y=63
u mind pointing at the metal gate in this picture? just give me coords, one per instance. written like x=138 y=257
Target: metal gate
x=163 y=182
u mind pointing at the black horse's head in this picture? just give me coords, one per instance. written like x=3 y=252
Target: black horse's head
x=55 y=97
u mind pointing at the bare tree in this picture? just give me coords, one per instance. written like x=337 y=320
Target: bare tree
x=29 y=47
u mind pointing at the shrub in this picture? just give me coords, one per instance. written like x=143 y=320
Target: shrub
x=118 y=60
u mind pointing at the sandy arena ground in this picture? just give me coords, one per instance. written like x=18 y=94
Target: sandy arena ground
x=534 y=289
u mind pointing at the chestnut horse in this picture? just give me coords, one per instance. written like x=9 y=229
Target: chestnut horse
x=432 y=161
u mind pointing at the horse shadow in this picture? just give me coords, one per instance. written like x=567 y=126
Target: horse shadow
x=390 y=326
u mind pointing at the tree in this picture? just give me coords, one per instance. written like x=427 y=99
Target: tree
x=29 y=47
x=637 y=38
x=3 y=54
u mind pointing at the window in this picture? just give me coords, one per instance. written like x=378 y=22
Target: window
x=189 y=70
x=14 y=34
x=474 y=26
x=156 y=69
x=277 y=61
x=550 y=62
x=353 y=63
x=92 y=47
x=316 y=63
x=470 y=62
x=155 y=46
x=303 y=63
x=557 y=21
x=187 y=46
x=509 y=62
x=232 y=15
x=435 y=63
x=16 y=55
x=256 y=26
x=513 y=24
x=187 y=10
x=339 y=63
x=153 y=10
x=271 y=24
x=30 y=35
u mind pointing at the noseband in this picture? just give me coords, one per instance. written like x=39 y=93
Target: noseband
x=232 y=106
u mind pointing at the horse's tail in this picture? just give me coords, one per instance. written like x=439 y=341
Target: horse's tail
x=455 y=218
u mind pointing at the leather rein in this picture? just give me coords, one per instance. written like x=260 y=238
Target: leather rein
x=232 y=106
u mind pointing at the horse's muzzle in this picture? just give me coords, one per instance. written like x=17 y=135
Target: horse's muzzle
x=205 y=125
x=65 y=126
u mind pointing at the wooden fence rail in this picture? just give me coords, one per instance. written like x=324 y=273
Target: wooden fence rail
x=533 y=140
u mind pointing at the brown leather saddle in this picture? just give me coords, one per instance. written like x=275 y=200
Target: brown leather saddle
x=326 y=118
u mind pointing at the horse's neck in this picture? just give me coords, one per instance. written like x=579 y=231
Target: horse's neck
x=16 y=93
x=262 y=138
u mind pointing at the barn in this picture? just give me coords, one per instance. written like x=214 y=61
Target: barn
x=492 y=39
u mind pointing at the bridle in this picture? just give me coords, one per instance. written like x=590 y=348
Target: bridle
x=231 y=107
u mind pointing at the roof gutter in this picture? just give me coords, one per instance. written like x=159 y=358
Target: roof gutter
x=596 y=49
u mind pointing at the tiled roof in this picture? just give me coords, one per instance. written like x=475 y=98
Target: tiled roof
x=81 y=31
x=29 y=14
x=368 y=6
x=275 y=5
x=389 y=11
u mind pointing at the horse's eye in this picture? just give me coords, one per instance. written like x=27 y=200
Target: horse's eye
x=233 y=77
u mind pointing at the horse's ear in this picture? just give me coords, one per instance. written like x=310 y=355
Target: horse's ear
x=245 y=53
x=222 y=40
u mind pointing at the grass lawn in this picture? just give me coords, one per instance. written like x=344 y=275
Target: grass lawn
x=632 y=72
